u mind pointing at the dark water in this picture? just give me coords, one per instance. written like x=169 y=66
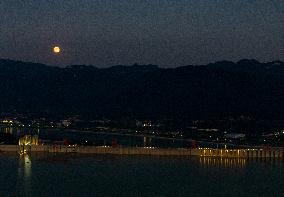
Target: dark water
x=75 y=175
x=100 y=138
x=96 y=138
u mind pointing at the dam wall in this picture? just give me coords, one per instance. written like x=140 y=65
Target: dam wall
x=276 y=152
x=203 y=152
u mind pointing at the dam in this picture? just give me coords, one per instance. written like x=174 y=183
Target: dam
x=273 y=152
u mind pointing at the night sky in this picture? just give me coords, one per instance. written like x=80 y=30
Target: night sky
x=166 y=32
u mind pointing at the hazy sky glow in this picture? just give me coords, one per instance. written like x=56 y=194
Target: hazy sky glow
x=163 y=32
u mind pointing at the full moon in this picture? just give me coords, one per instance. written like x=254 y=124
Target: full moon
x=56 y=49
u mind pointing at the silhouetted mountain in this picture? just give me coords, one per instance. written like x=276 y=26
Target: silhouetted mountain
x=224 y=88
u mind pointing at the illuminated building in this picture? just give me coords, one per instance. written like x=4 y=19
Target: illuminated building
x=28 y=140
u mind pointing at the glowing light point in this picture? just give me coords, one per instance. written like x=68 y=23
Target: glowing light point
x=56 y=49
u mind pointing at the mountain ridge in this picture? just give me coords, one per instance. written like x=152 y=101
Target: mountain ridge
x=219 y=89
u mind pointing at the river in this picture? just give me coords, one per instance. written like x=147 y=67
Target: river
x=98 y=175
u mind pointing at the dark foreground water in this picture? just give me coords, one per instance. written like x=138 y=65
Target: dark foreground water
x=74 y=175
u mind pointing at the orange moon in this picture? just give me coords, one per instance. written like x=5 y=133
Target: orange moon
x=56 y=49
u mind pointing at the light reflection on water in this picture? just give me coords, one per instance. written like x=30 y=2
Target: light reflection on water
x=222 y=162
x=27 y=166
x=238 y=163
x=8 y=130
x=24 y=173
